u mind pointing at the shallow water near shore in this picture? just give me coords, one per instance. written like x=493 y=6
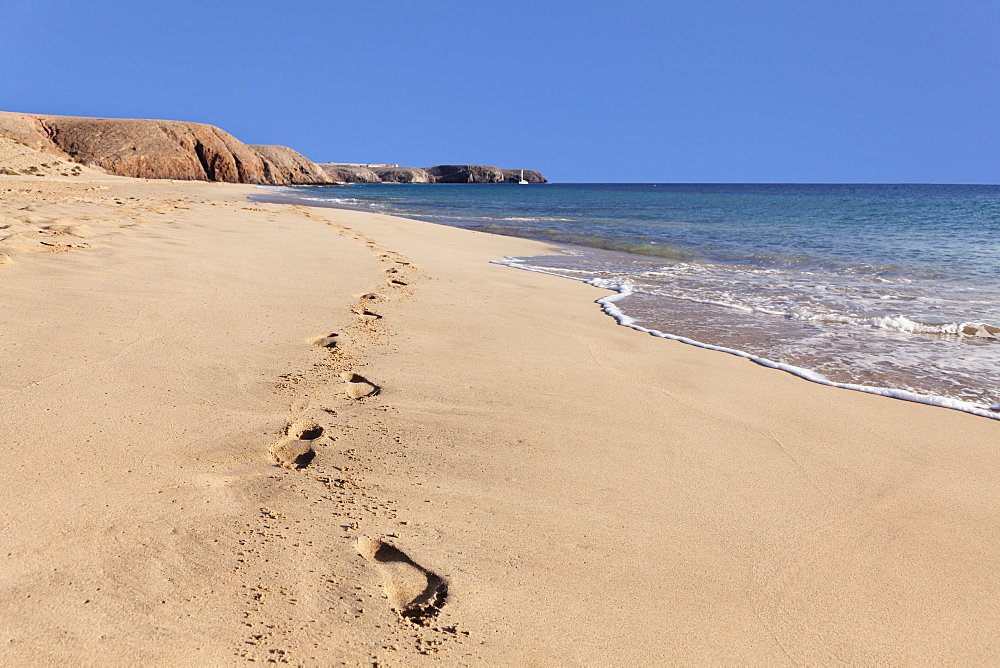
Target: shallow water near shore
x=895 y=288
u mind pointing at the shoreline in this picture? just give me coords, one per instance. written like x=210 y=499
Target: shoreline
x=609 y=308
x=586 y=494
x=619 y=292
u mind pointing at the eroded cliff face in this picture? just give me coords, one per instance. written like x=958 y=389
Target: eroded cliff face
x=341 y=173
x=530 y=175
x=154 y=149
x=284 y=165
x=435 y=174
x=482 y=174
x=465 y=174
x=403 y=175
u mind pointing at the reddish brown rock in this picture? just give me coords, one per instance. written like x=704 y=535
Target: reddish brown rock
x=194 y=151
x=285 y=165
x=345 y=173
x=403 y=175
x=155 y=149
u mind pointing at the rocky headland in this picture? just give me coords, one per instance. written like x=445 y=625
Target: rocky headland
x=156 y=149
x=349 y=173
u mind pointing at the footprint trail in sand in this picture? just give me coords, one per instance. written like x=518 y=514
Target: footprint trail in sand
x=331 y=479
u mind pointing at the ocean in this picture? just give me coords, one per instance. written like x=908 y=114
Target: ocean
x=890 y=289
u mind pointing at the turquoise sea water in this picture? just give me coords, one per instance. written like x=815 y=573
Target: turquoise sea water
x=882 y=286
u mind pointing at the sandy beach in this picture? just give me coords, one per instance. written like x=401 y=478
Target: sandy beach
x=188 y=478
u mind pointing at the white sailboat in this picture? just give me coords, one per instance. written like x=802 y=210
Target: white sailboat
x=522 y=181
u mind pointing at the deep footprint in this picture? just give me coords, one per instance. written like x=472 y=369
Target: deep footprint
x=357 y=387
x=307 y=430
x=414 y=592
x=324 y=340
x=365 y=313
x=295 y=450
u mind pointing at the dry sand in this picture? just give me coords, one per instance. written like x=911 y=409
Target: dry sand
x=237 y=431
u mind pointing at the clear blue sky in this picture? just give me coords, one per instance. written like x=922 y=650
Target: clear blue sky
x=801 y=91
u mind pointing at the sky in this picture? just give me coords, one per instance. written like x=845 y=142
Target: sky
x=767 y=91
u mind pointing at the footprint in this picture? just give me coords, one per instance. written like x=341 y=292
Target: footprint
x=324 y=340
x=414 y=592
x=307 y=430
x=369 y=296
x=292 y=453
x=295 y=450
x=5 y=259
x=396 y=283
x=357 y=386
x=365 y=313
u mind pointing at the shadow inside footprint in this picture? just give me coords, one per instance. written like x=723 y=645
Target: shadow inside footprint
x=292 y=453
x=324 y=340
x=307 y=430
x=358 y=387
x=365 y=313
x=414 y=592
x=295 y=451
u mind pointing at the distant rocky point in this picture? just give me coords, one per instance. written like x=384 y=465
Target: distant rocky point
x=354 y=173
x=156 y=149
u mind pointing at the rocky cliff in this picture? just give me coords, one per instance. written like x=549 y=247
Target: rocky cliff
x=403 y=175
x=465 y=174
x=530 y=175
x=154 y=149
x=160 y=149
x=435 y=174
x=284 y=165
x=341 y=173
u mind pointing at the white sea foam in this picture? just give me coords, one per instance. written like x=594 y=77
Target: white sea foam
x=901 y=323
x=528 y=219
x=746 y=303
x=624 y=289
x=493 y=219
